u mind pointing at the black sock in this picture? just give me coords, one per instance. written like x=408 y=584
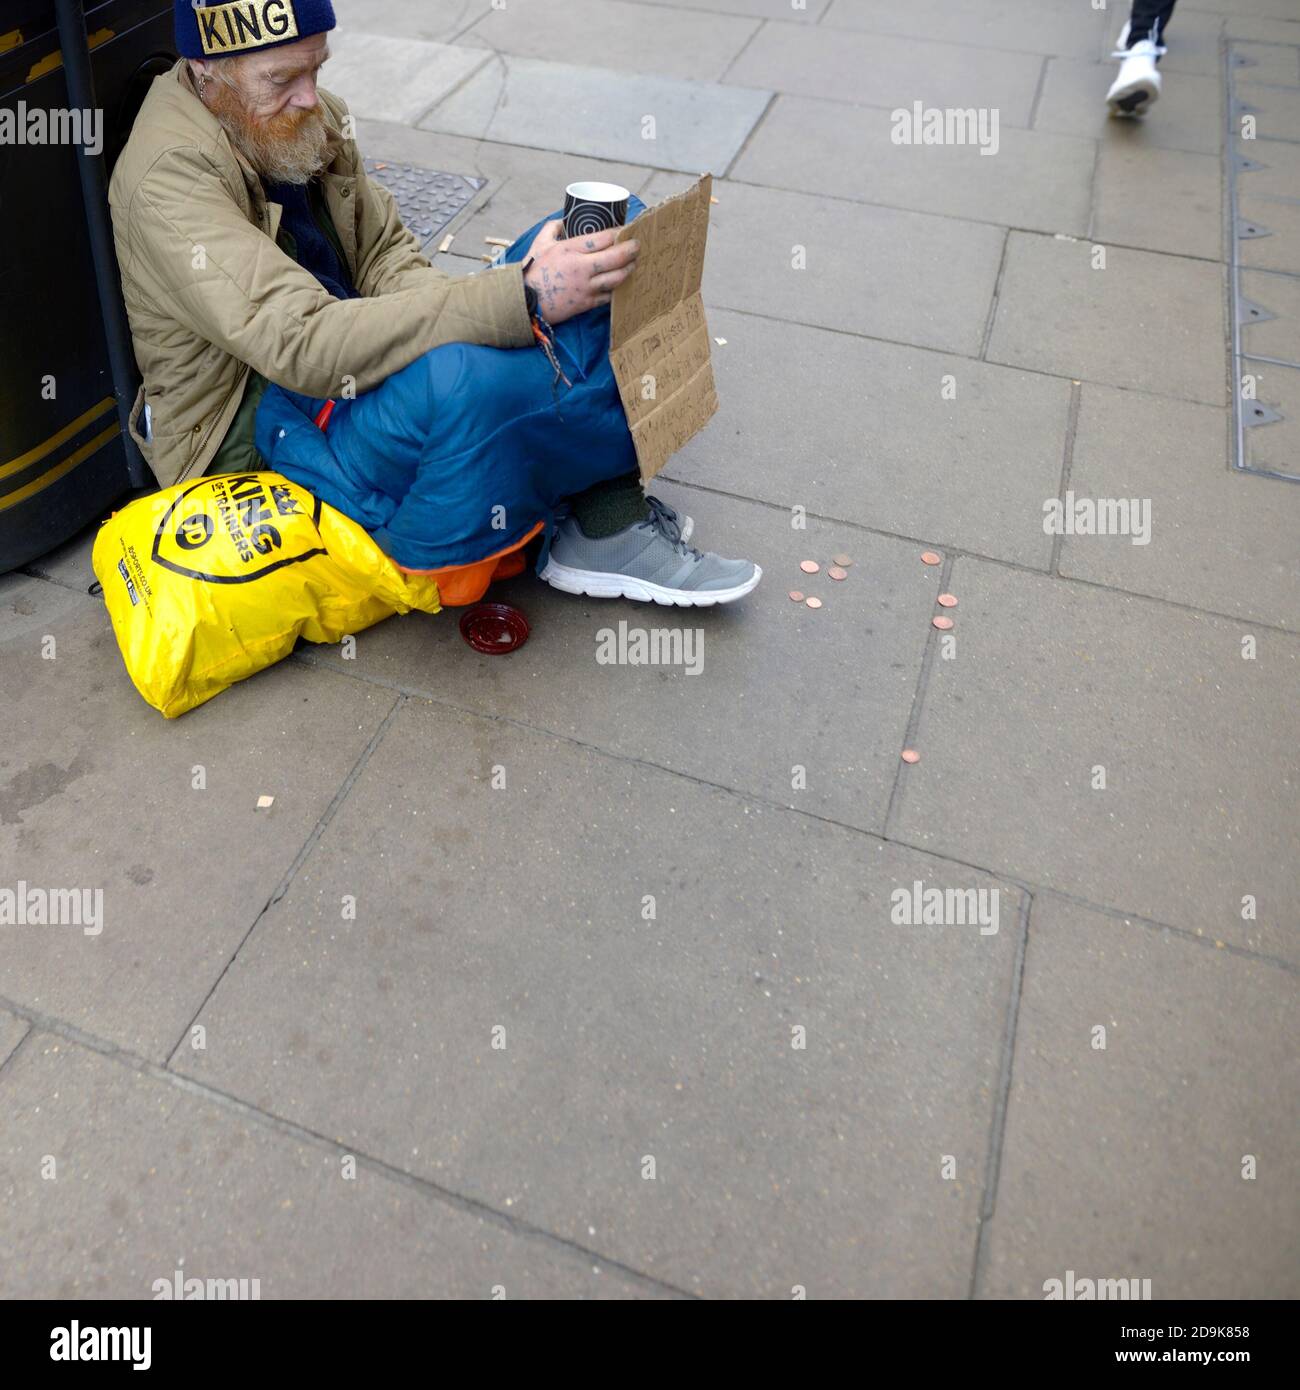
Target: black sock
x=611 y=505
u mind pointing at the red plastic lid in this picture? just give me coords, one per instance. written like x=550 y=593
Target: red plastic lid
x=494 y=628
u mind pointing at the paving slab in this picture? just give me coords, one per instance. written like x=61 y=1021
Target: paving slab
x=1276 y=446
x=626 y=1039
x=522 y=185
x=882 y=70
x=698 y=126
x=1274 y=337
x=1280 y=249
x=1128 y=1162
x=1188 y=116
x=970 y=471
x=1238 y=26
x=152 y=1178
x=1052 y=680
x=1268 y=63
x=1185 y=218
x=1256 y=10
x=827 y=690
x=1280 y=171
x=622 y=37
x=1018 y=25
x=1220 y=540
x=1144 y=321
x=904 y=276
x=68 y=564
x=439 y=20
x=12 y=1031
x=1192 y=41
x=1032 y=179
x=395 y=79
x=811 y=13
x=99 y=795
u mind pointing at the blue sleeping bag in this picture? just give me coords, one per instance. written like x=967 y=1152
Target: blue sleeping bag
x=460 y=454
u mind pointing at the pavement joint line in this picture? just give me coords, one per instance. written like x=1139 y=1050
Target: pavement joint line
x=299 y=859
x=984 y=221
x=290 y=1129
x=17 y=1047
x=918 y=698
x=1090 y=234
x=1067 y=465
x=735 y=57
x=991 y=316
x=1195 y=938
x=957 y=551
x=479 y=16
x=1001 y=1103
x=924 y=38
x=758 y=799
x=1038 y=89
x=749 y=135
x=965 y=356
x=488 y=52
x=961 y=553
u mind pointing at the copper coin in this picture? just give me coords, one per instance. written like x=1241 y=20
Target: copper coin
x=910 y=755
x=928 y=557
x=943 y=624
x=809 y=566
x=813 y=602
x=836 y=572
x=796 y=595
x=844 y=560
x=947 y=601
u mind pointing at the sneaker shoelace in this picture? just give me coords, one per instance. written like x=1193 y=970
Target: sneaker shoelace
x=663 y=520
x=1159 y=50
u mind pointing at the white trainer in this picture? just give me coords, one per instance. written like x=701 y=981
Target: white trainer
x=1138 y=84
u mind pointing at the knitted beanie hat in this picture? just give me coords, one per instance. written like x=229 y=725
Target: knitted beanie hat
x=237 y=26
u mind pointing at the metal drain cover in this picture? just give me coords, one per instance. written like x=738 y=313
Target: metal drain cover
x=427 y=198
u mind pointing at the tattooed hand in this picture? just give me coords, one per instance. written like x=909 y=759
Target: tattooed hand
x=574 y=274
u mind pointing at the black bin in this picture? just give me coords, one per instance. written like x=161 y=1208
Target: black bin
x=62 y=458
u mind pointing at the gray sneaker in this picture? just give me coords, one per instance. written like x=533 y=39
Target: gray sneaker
x=648 y=562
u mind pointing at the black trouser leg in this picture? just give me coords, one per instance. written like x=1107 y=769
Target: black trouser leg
x=1148 y=20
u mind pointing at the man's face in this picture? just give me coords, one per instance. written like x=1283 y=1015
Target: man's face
x=269 y=107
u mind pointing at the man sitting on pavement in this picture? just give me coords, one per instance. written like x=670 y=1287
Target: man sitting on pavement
x=263 y=272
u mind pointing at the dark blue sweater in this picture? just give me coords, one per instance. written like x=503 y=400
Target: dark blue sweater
x=313 y=249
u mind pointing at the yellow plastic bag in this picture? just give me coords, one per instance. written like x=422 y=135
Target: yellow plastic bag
x=209 y=582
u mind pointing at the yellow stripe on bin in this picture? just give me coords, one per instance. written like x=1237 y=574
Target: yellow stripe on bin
x=54 y=60
x=11 y=499
x=49 y=445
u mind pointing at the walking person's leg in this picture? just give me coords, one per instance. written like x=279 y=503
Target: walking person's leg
x=1141 y=45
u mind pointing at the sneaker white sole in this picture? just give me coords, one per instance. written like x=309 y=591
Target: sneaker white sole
x=597 y=585
x=1140 y=96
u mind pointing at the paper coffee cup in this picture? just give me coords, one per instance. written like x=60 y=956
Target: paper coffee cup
x=594 y=207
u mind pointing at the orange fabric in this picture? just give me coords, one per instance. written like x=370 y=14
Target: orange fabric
x=459 y=585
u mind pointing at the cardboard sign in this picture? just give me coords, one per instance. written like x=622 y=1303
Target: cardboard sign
x=659 y=341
